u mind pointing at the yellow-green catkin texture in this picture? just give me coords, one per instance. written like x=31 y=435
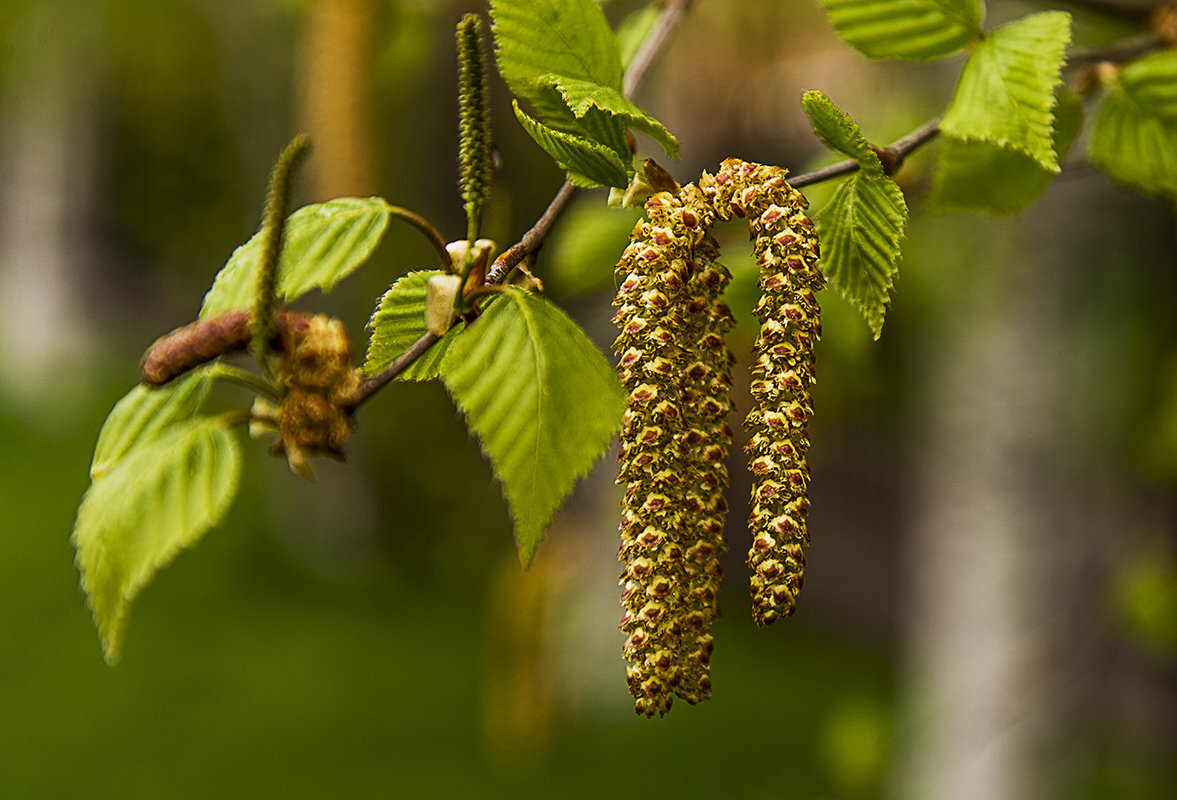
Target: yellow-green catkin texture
x=655 y=348
x=705 y=400
x=787 y=252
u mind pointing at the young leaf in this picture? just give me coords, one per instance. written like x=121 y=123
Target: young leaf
x=159 y=497
x=584 y=96
x=838 y=131
x=542 y=400
x=143 y=412
x=324 y=243
x=589 y=163
x=983 y=176
x=1134 y=138
x=569 y=37
x=1006 y=91
x=860 y=230
x=398 y=322
x=914 y=29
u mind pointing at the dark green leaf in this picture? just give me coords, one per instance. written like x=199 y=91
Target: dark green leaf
x=542 y=400
x=915 y=29
x=1007 y=89
x=324 y=243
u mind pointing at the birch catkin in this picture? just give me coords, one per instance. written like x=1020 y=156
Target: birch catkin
x=787 y=252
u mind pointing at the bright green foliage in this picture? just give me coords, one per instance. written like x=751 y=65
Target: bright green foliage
x=162 y=476
x=915 y=29
x=860 y=230
x=1006 y=91
x=588 y=162
x=1134 y=138
x=862 y=225
x=398 y=322
x=323 y=243
x=542 y=399
x=834 y=127
x=582 y=96
x=535 y=38
x=983 y=176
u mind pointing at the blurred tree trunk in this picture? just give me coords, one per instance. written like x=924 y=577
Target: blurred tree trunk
x=994 y=555
x=46 y=161
x=336 y=97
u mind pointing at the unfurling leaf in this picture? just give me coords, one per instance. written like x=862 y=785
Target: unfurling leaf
x=1006 y=93
x=839 y=132
x=542 y=400
x=914 y=29
x=860 y=230
x=398 y=322
x=323 y=243
x=1134 y=138
x=584 y=96
x=162 y=476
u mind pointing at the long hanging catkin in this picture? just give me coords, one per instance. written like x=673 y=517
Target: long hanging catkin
x=664 y=628
x=787 y=252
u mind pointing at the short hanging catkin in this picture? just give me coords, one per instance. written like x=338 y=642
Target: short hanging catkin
x=787 y=252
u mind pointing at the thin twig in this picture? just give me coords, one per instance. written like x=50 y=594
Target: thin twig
x=892 y=157
x=420 y=223
x=642 y=59
x=531 y=240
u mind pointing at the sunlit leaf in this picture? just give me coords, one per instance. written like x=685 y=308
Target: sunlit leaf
x=398 y=322
x=323 y=243
x=589 y=163
x=986 y=177
x=1134 y=137
x=1006 y=93
x=915 y=29
x=160 y=495
x=542 y=400
x=860 y=230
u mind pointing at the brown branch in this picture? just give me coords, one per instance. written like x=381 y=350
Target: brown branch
x=892 y=157
x=531 y=240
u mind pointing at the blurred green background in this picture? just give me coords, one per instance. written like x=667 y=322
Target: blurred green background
x=990 y=610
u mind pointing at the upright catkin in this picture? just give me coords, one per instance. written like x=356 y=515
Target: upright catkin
x=657 y=530
x=787 y=252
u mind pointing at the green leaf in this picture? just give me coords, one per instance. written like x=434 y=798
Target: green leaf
x=1006 y=91
x=584 y=96
x=915 y=29
x=589 y=163
x=839 y=132
x=398 y=322
x=159 y=495
x=536 y=37
x=1134 y=137
x=144 y=412
x=542 y=400
x=324 y=243
x=986 y=177
x=860 y=230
